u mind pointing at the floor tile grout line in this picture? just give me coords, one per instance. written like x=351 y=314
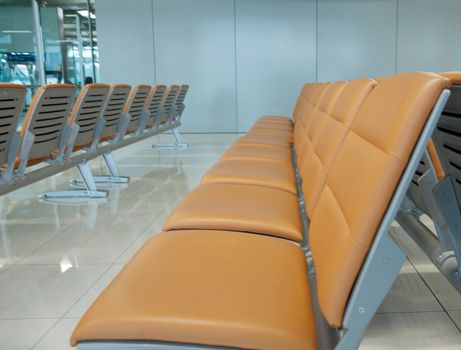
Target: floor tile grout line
x=18 y=262
x=87 y=290
x=145 y=231
x=44 y=335
x=435 y=296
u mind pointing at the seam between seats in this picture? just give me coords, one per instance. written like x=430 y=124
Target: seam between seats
x=339 y=206
x=314 y=145
x=349 y=237
x=358 y=243
x=375 y=146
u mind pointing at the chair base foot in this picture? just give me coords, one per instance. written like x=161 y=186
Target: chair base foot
x=74 y=194
x=102 y=180
x=170 y=145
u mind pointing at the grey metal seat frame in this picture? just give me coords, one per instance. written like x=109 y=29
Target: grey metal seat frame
x=151 y=110
x=116 y=100
x=174 y=115
x=11 y=104
x=441 y=200
x=42 y=130
x=19 y=178
x=83 y=127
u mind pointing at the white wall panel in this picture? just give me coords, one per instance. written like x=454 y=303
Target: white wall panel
x=195 y=43
x=126 y=41
x=429 y=35
x=275 y=55
x=356 y=38
x=246 y=58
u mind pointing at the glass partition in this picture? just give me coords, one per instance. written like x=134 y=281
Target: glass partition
x=69 y=39
x=69 y=32
x=18 y=57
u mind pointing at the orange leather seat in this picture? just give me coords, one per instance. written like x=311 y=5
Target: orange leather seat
x=268 y=130
x=237 y=290
x=256 y=172
x=262 y=152
x=275 y=119
x=273 y=125
x=237 y=207
x=203 y=291
x=261 y=139
x=271 y=134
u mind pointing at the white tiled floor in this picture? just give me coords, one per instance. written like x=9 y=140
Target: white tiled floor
x=56 y=259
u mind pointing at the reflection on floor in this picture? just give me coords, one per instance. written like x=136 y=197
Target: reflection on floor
x=56 y=259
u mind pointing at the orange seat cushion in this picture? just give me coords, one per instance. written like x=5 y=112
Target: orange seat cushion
x=212 y=288
x=271 y=126
x=262 y=139
x=238 y=207
x=262 y=152
x=288 y=134
x=253 y=172
x=275 y=119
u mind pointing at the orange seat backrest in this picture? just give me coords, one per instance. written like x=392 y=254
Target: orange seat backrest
x=135 y=105
x=303 y=99
x=46 y=117
x=362 y=180
x=153 y=103
x=116 y=100
x=314 y=125
x=86 y=111
x=327 y=141
x=306 y=114
x=168 y=101
x=183 y=89
x=11 y=103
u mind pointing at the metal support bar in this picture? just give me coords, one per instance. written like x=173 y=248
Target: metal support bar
x=122 y=126
x=446 y=200
x=159 y=116
x=97 y=133
x=114 y=177
x=13 y=149
x=142 y=123
x=445 y=262
x=172 y=145
x=110 y=163
x=427 y=182
x=172 y=115
x=67 y=140
x=27 y=143
x=90 y=187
